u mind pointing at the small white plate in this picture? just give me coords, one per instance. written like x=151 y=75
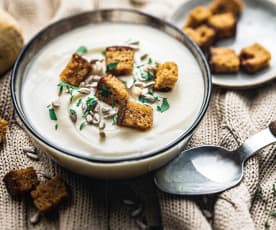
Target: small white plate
x=257 y=23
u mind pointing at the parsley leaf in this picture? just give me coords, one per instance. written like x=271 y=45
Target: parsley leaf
x=79 y=102
x=81 y=50
x=115 y=119
x=273 y=213
x=72 y=111
x=147 y=76
x=164 y=106
x=103 y=52
x=56 y=126
x=90 y=102
x=111 y=66
x=143 y=100
x=82 y=125
x=149 y=61
x=105 y=91
x=274 y=189
x=52 y=114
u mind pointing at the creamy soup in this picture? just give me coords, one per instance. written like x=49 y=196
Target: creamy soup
x=42 y=76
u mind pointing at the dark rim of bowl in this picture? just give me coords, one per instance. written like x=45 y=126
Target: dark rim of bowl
x=187 y=133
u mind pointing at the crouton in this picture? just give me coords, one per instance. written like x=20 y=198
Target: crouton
x=76 y=70
x=225 y=25
x=224 y=61
x=254 y=58
x=166 y=76
x=111 y=90
x=203 y=36
x=21 y=181
x=197 y=17
x=135 y=115
x=227 y=6
x=119 y=60
x=3 y=129
x=47 y=196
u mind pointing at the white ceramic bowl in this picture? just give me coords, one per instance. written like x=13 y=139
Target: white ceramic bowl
x=121 y=167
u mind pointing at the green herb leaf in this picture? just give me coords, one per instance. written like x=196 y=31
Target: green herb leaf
x=82 y=125
x=72 y=111
x=164 y=106
x=56 y=126
x=111 y=66
x=105 y=91
x=52 y=114
x=149 y=61
x=90 y=102
x=79 y=102
x=62 y=83
x=143 y=100
x=103 y=52
x=115 y=119
x=113 y=104
x=147 y=76
x=81 y=50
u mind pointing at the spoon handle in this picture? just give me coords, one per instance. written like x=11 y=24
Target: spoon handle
x=257 y=142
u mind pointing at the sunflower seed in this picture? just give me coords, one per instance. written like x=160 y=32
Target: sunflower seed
x=143 y=57
x=96 y=77
x=35 y=218
x=83 y=107
x=97 y=68
x=32 y=156
x=105 y=110
x=94 y=85
x=88 y=80
x=149 y=84
x=139 y=84
x=82 y=84
x=97 y=118
x=29 y=150
x=140 y=224
x=128 y=202
x=97 y=108
x=84 y=91
x=109 y=115
x=102 y=125
x=89 y=119
x=73 y=117
x=56 y=103
x=137 y=211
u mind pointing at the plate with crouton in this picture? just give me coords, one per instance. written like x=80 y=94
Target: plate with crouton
x=236 y=36
x=110 y=93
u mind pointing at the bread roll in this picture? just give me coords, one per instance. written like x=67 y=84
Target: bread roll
x=11 y=41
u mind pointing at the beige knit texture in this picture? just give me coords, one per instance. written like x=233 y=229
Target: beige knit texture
x=232 y=117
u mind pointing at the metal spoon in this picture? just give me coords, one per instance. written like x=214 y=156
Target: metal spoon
x=211 y=169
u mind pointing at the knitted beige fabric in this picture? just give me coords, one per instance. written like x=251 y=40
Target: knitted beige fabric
x=231 y=118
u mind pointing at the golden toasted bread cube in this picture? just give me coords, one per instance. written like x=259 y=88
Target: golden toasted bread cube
x=47 y=196
x=166 y=76
x=198 y=16
x=20 y=181
x=135 y=115
x=227 y=6
x=224 y=61
x=3 y=129
x=76 y=70
x=122 y=57
x=225 y=25
x=111 y=90
x=203 y=36
x=254 y=58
